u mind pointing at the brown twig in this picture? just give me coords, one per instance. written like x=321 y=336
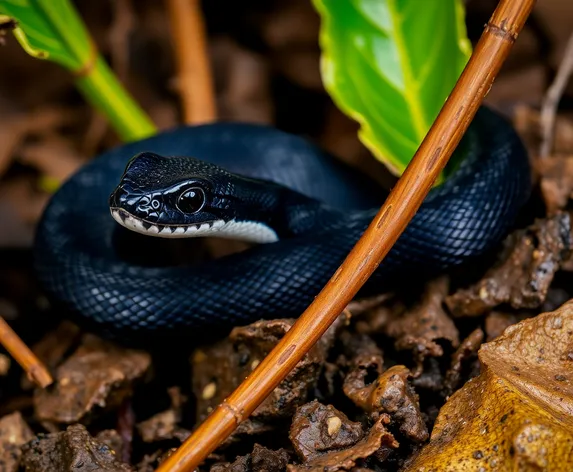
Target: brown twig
x=35 y=369
x=552 y=98
x=403 y=202
x=119 y=33
x=194 y=82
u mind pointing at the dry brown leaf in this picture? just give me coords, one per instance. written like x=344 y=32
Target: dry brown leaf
x=466 y=351
x=98 y=375
x=518 y=414
x=52 y=347
x=524 y=272
x=318 y=429
x=424 y=328
x=379 y=442
x=392 y=394
x=364 y=361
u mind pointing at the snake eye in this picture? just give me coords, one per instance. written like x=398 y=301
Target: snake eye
x=192 y=200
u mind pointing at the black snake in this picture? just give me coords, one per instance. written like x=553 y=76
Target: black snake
x=263 y=185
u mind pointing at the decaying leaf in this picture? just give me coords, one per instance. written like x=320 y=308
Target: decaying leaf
x=372 y=319
x=317 y=429
x=165 y=424
x=467 y=350
x=70 y=450
x=522 y=277
x=392 y=394
x=365 y=363
x=98 y=374
x=219 y=369
x=260 y=460
x=327 y=441
x=421 y=328
x=52 y=347
x=517 y=414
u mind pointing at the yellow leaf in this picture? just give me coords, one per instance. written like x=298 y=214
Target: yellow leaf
x=518 y=414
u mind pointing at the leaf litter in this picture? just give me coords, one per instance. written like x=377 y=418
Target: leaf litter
x=518 y=413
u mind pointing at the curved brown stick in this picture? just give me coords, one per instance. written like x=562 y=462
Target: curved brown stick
x=36 y=370
x=194 y=82
x=388 y=224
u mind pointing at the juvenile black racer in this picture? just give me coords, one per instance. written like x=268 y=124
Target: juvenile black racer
x=307 y=207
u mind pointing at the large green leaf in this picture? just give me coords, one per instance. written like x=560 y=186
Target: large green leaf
x=50 y=29
x=390 y=65
x=53 y=30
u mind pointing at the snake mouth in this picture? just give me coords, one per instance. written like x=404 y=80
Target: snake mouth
x=164 y=231
x=248 y=231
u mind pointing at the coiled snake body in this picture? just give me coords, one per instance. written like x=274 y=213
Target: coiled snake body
x=306 y=208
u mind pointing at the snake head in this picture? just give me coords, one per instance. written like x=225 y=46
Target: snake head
x=178 y=197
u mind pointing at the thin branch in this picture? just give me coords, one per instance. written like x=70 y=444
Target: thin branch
x=397 y=211
x=194 y=81
x=119 y=33
x=35 y=369
x=552 y=99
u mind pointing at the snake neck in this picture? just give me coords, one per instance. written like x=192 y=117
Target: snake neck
x=281 y=210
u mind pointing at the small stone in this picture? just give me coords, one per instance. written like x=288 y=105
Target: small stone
x=483 y=293
x=209 y=391
x=333 y=423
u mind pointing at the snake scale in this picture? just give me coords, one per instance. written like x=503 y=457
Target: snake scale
x=303 y=207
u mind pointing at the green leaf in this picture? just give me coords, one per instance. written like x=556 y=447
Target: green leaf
x=390 y=65
x=53 y=30
x=51 y=27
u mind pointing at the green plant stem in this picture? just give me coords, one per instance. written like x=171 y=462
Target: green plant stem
x=104 y=91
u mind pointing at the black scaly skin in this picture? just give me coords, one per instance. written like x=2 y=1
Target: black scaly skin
x=78 y=264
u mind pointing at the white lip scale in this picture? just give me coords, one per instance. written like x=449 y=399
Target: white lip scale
x=241 y=230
